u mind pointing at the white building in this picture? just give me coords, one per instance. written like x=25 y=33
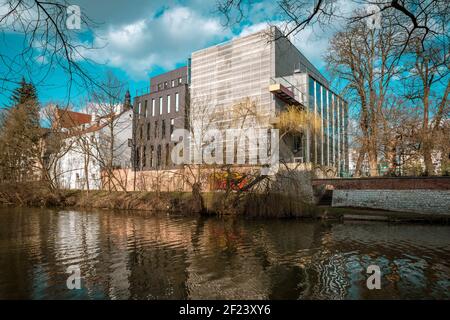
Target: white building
x=91 y=141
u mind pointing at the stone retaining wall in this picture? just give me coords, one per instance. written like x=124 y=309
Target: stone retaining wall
x=406 y=194
x=417 y=201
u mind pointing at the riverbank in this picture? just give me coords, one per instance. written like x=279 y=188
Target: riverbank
x=274 y=205
x=251 y=205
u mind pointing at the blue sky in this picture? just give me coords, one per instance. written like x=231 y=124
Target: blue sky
x=137 y=39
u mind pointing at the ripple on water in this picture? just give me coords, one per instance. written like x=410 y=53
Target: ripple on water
x=130 y=255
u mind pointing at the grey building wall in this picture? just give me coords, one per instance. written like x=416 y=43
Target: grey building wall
x=225 y=75
x=155 y=115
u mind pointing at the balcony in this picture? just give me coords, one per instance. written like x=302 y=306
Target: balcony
x=286 y=92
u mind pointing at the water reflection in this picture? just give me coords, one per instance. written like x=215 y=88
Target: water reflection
x=132 y=256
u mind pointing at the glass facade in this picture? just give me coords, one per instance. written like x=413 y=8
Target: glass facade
x=329 y=144
x=244 y=69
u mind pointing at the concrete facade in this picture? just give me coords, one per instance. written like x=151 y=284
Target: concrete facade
x=156 y=115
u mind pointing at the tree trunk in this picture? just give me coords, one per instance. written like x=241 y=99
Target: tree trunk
x=427 y=159
x=372 y=152
x=359 y=163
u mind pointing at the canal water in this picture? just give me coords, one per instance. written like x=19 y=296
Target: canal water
x=130 y=255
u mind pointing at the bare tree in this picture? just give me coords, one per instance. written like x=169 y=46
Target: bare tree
x=365 y=59
x=417 y=18
x=109 y=143
x=48 y=44
x=428 y=85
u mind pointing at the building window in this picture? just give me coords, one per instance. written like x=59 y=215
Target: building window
x=177 y=102
x=166 y=85
x=173 y=83
x=151 y=156
x=297 y=143
x=139 y=110
x=160 y=105
x=172 y=126
x=159 y=86
x=168 y=103
x=153 y=107
x=138 y=160
x=148 y=131
x=167 y=155
x=163 y=128
x=144 y=157
x=145 y=108
x=140 y=132
x=156 y=129
x=158 y=156
x=180 y=81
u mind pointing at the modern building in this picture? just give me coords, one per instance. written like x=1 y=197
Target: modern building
x=156 y=115
x=268 y=70
x=88 y=140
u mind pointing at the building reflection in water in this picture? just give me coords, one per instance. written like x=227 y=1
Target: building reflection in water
x=135 y=256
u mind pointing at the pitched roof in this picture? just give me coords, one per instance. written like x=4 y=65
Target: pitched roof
x=69 y=119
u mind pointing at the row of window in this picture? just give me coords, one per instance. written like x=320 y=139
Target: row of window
x=144 y=110
x=165 y=85
x=156 y=129
x=145 y=157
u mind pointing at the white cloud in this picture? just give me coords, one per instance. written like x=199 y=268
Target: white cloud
x=313 y=44
x=160 y=41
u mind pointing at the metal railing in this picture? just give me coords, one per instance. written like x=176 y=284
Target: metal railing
x=298 y=95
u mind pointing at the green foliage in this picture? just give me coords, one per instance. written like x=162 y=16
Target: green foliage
x=20 y=135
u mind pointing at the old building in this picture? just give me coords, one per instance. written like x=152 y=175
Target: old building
x=89 y=141
x=156 y=115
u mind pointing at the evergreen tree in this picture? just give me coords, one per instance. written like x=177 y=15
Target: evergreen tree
x=20 y=134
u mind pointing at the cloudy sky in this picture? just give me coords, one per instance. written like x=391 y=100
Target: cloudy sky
x=138 y=39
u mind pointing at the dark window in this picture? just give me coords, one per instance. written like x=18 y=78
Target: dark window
x=163 y=128
x=144 y=157
x=151 y=156
x=158 y=156
x=138 y=160
x=148 y=131
x=156 y=129
x=167 y=155
x=145 y=109
x=141 y=132
x=159 y=86
x=297 y=143
x=166 y=85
